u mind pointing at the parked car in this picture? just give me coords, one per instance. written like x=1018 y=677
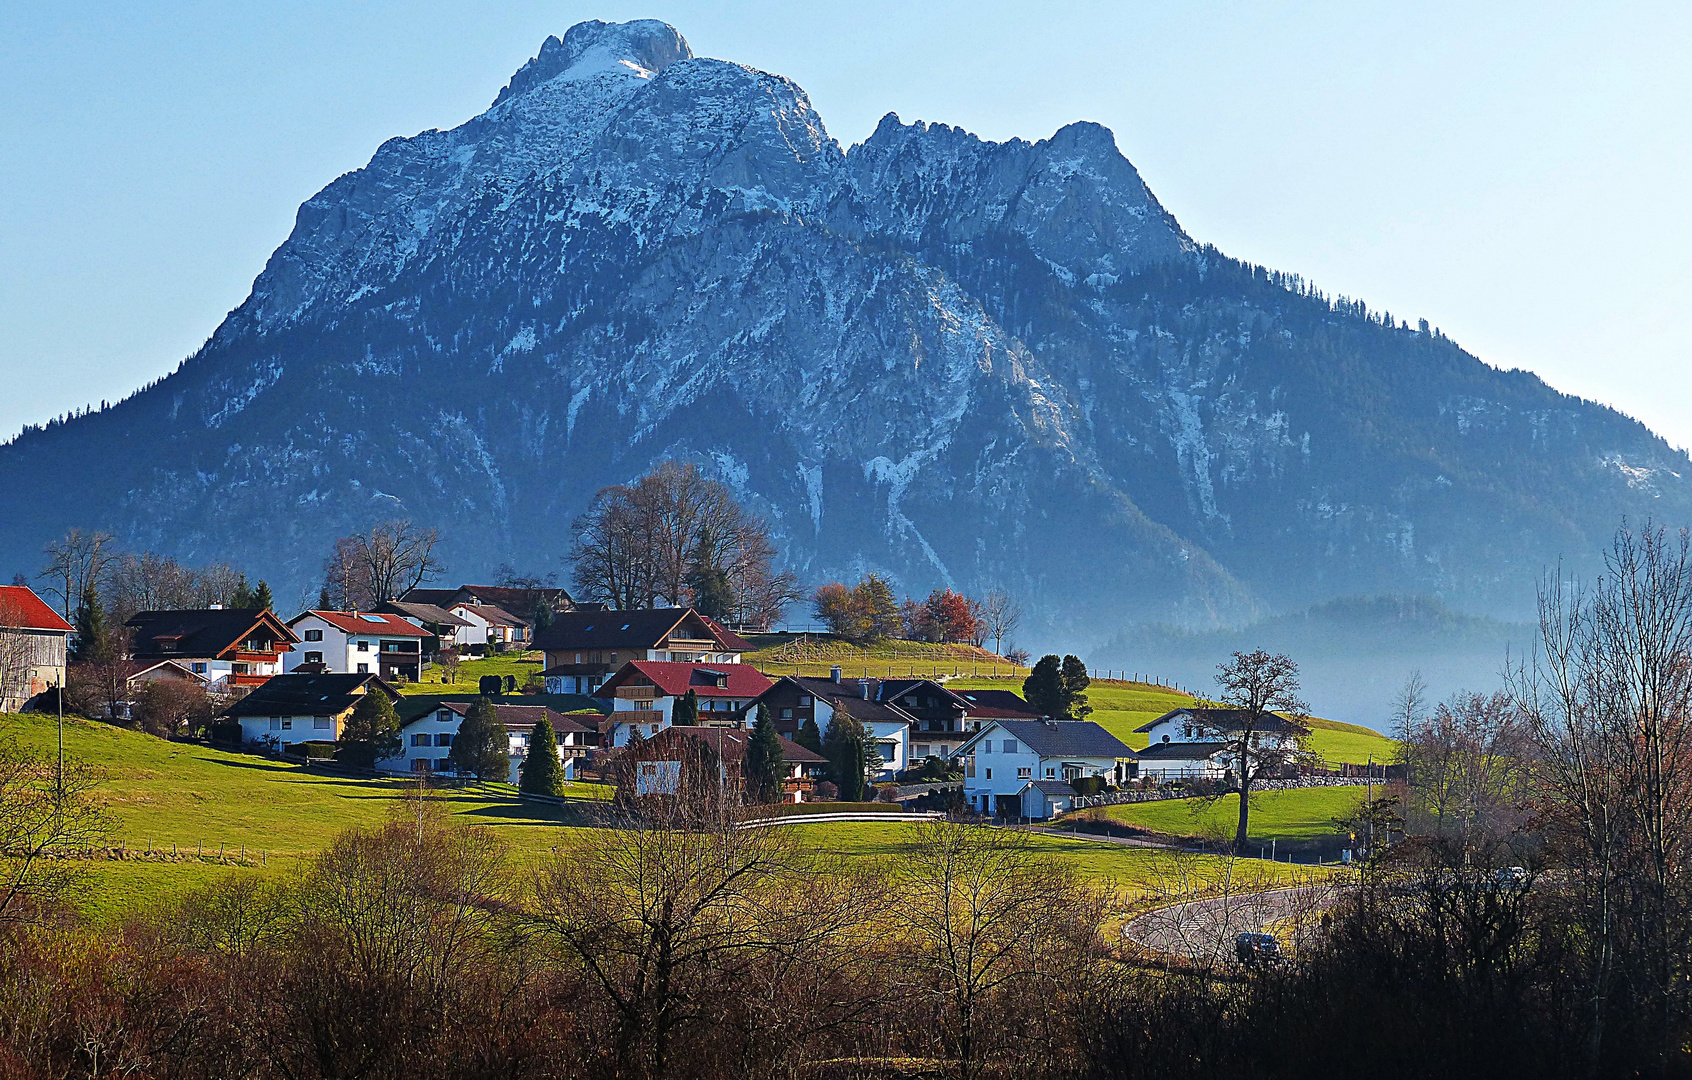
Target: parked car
x=1254 y=949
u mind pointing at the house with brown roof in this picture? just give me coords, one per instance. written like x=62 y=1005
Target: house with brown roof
x=658 y=766
x=443 y=625
x=643 y=695
x=232 y=648
x=584 y=647
x=358 y=643
x=1198 y=742
x=33 y=640
x=426 y=740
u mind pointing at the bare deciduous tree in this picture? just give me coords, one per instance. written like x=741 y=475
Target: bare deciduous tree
x=1258 y=685
x=74 y=563
x=999 y=617
x=1608 y=702
x=1467 y=769
x=378 y=565
x=45 y=815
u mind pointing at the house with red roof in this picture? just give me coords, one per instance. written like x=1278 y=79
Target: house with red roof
x=657 y=766
x=643 y=695
x=584 y=647
x=358 y=643
x=32 y=647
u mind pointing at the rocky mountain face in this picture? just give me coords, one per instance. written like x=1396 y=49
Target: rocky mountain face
x=954 y=361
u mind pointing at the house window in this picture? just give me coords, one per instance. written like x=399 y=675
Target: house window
x=1025 y=772
x=364 y=669
x=804 y=701
x=287 y=725
x=1010 y=746
x=922 y=750
x=322 y=723
x=276 y=723
x=989 y=774
x=314 y=658
x=787 y=714
x=443 y=739
x=199 y=669
x=364 y=646
x=314 y=635
x=420 y=740
x=420 y=764
x=1051 y=774
x=444 y=715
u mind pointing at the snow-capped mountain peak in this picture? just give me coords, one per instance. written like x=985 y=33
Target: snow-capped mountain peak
x=641 y=48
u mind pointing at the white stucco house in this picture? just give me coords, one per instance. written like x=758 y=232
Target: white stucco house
x=303 y=707
x=1012 y=767
x=643 y=695
x=426 y=740
x=1197 y=743
x=357 y=643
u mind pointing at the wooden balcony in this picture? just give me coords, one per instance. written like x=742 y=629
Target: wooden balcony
x=244 y=656
x=637 y=693
x=242 y=679
x=639 y=716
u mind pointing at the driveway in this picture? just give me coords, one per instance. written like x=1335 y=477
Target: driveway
x=1203 y=931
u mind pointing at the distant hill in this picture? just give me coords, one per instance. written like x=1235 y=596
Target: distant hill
x=953 y=361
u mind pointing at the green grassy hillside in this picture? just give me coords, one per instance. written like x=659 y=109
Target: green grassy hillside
x=518 y=665
x=1299 y=814
x=815 y=654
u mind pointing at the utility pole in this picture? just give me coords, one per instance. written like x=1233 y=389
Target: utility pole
x=59 y=696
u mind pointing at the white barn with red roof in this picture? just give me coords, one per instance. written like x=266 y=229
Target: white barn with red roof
x=32 y=647
x=643 y=695
x=357 y=643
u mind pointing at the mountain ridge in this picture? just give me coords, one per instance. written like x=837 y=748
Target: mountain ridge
x=950 y=360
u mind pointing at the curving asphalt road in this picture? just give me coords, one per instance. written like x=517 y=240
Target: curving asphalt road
x=1203 y=931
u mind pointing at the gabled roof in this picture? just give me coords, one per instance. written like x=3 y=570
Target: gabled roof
x=1050 y=787
x=844 y=696
x=643 y=629
x=514 y=717
x=428 y=613
x=206 y=632
x=1058 y=738
x=998 y=705
x=177 y=666
x=675 y=679
x=505 y=596
x=309 y=695
x=494 y=616
x=1231 y=720
x=365 y=622
x=21 y=609
x=1180 y=751
x=729 y=743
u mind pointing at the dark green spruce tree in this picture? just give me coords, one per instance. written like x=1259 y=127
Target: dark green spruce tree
x=93 y=641
x=809 y=737
x=763 y=759
x=1043 y=688
x=262 y=600
x=848 y=761
x=1075 y=683
x=482 y=746
x=541 y=772
x=372 y=733
x=685 y=713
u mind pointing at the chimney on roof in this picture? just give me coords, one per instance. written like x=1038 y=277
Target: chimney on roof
x=863 y=689
x=834 y=673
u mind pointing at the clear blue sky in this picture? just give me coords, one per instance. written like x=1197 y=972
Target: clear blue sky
x=1515 y=173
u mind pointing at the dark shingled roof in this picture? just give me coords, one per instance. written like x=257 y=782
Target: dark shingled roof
x=1180 y=751
x=428 y=613
x=200 y=631
x=308 y=695
x=729 y=743
x=1063 y=738
x=995 y=704
x=844 y=697
x=516 y=717
x=642 y=629
x=1052 y=787
x=1232 y=720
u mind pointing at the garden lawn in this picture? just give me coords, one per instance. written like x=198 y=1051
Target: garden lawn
x=1298 y=814
x=815 y=654
x=518 y=665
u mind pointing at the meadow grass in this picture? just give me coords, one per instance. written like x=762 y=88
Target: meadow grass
x=890 y=658
x=518 y=665
x=1297 y=814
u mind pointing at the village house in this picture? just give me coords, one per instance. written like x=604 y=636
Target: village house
x=910 y=719
x=303 y=707
x=358 y=643
x=1026 y=768
x=643 y=695
x=582 y=648
x=426 y=740
x=33 y=643
x=656 y=765
x=1193 y=743
x=516 y=599
x=443 y=625
x=233 y=649
x=166 y=671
